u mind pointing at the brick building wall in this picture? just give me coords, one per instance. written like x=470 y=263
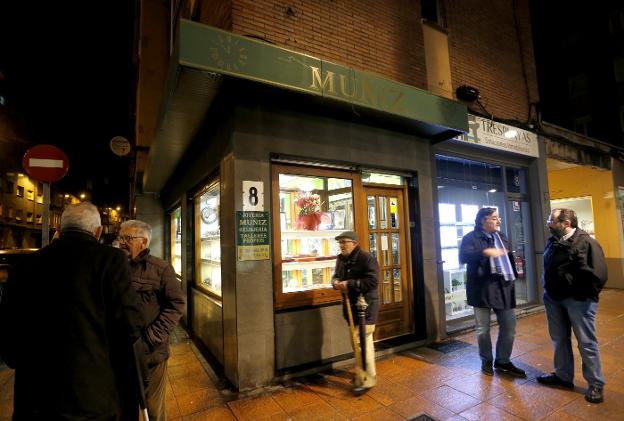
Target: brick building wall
x=383 y=37
x=485 y=53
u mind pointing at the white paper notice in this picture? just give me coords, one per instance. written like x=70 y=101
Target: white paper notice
x=384 y=242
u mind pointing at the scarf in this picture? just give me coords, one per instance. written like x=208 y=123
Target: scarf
x=501 y=264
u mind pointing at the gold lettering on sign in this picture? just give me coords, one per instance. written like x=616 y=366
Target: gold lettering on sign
x=368 y=93
x=343 y=87
x=316 y=77
x=363 y=90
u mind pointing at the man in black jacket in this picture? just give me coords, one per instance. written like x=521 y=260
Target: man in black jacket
x=574 y=274
x=162 y=304
x=68 y=321
x=357 y=272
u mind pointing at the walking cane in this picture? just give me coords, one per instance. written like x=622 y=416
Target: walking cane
x=356 y=349
x=361 y=307
x=139 y=373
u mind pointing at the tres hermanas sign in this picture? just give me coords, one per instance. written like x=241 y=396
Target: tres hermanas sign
x=495 y=135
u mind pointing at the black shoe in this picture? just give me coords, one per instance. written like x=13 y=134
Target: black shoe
x=486 y=368
x=594 y=394
x=360 y=390
x=553 y=380
x=511 y=369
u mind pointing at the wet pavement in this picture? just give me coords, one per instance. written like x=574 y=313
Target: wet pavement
x=443 y=381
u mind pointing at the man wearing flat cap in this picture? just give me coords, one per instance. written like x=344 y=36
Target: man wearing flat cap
x=357 y=273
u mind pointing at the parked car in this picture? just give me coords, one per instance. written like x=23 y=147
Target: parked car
x=8 y=258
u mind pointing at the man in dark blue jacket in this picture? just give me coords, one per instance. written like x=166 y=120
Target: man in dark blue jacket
x=491 y=274
x=357 y=272
x=68 y=320
x=574 y=274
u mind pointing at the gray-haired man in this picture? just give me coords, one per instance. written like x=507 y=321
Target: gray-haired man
x=67 y=323
x=162 y=303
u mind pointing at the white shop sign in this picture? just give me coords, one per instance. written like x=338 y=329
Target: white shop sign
x=253 y=196
x=491 y=134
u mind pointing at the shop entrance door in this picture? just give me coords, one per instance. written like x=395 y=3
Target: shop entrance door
x=387 y=240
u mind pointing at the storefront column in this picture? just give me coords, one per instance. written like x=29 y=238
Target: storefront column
x=249 y=337
x=150 y=210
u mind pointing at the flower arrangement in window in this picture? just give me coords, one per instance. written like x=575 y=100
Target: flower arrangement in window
x=309 y=211
x=309 y=204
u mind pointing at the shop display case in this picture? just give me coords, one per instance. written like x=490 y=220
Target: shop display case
x=175 y=226
x=314 y=206
x=208 y=240
x=308 y=259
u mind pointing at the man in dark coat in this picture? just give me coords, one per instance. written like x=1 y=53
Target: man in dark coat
x=162 y=303
x=490 y=274
x=357 y=272
x=574 y=273
x=68 y=319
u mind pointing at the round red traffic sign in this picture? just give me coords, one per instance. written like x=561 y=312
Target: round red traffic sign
x=45 y=163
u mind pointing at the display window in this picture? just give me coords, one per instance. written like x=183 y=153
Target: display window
x=465 y=186
x=314 y=206
x=208 y=240
x=175 y=235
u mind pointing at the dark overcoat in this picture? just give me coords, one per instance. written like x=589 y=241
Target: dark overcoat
x=483 y=288
x=68 y=319
x=361 y=271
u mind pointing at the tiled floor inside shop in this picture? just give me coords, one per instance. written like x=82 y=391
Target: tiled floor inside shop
x=443 y=381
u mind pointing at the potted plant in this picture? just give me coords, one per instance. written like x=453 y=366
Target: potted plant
x=309 y=206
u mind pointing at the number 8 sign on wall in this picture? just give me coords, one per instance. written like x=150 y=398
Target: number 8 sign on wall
x=253 y=196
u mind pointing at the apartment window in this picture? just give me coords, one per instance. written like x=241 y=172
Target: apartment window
x=616 y=21
x=30 y=195
x=10 y=213
x=19 y=215
x=9 y=187
x=578 y=85
x=29 y=217
x=39 y=220
x=429 y=10
x=20 y=191
x=618 y=69
x=583 y=125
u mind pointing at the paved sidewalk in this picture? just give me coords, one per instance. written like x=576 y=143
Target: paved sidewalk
x=443 y=381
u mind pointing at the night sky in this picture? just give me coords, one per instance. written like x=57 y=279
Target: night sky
x=71 y=81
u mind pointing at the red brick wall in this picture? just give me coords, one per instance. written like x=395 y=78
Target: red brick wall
x=379 y=36
x=485 y=53
x=217 y=13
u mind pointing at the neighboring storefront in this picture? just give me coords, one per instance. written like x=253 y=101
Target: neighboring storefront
x=587 y=175
x=256 y=179
x=494 y=165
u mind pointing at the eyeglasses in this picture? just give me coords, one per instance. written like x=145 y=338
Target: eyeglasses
x=345 y=241
x=127 y=238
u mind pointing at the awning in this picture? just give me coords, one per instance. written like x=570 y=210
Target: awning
x=203 y=53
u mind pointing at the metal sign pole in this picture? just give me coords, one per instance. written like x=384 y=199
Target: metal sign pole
x=45 y=222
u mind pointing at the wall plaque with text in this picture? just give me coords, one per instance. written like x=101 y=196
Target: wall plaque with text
x=252 y=235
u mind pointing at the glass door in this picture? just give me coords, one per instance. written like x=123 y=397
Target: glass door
x=387 y=242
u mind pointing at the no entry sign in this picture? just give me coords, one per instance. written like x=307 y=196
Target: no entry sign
x=45 y=163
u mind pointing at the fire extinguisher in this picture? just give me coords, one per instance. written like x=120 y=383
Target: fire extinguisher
x=519 y=266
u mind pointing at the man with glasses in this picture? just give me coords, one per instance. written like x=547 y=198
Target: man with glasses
x=490 y=274
x=574 y=273
x=357 y=273
x=162 y=302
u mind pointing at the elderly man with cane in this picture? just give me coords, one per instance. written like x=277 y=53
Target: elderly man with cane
x=356 y=275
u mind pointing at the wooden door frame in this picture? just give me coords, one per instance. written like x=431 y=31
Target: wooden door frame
x=405 y=253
